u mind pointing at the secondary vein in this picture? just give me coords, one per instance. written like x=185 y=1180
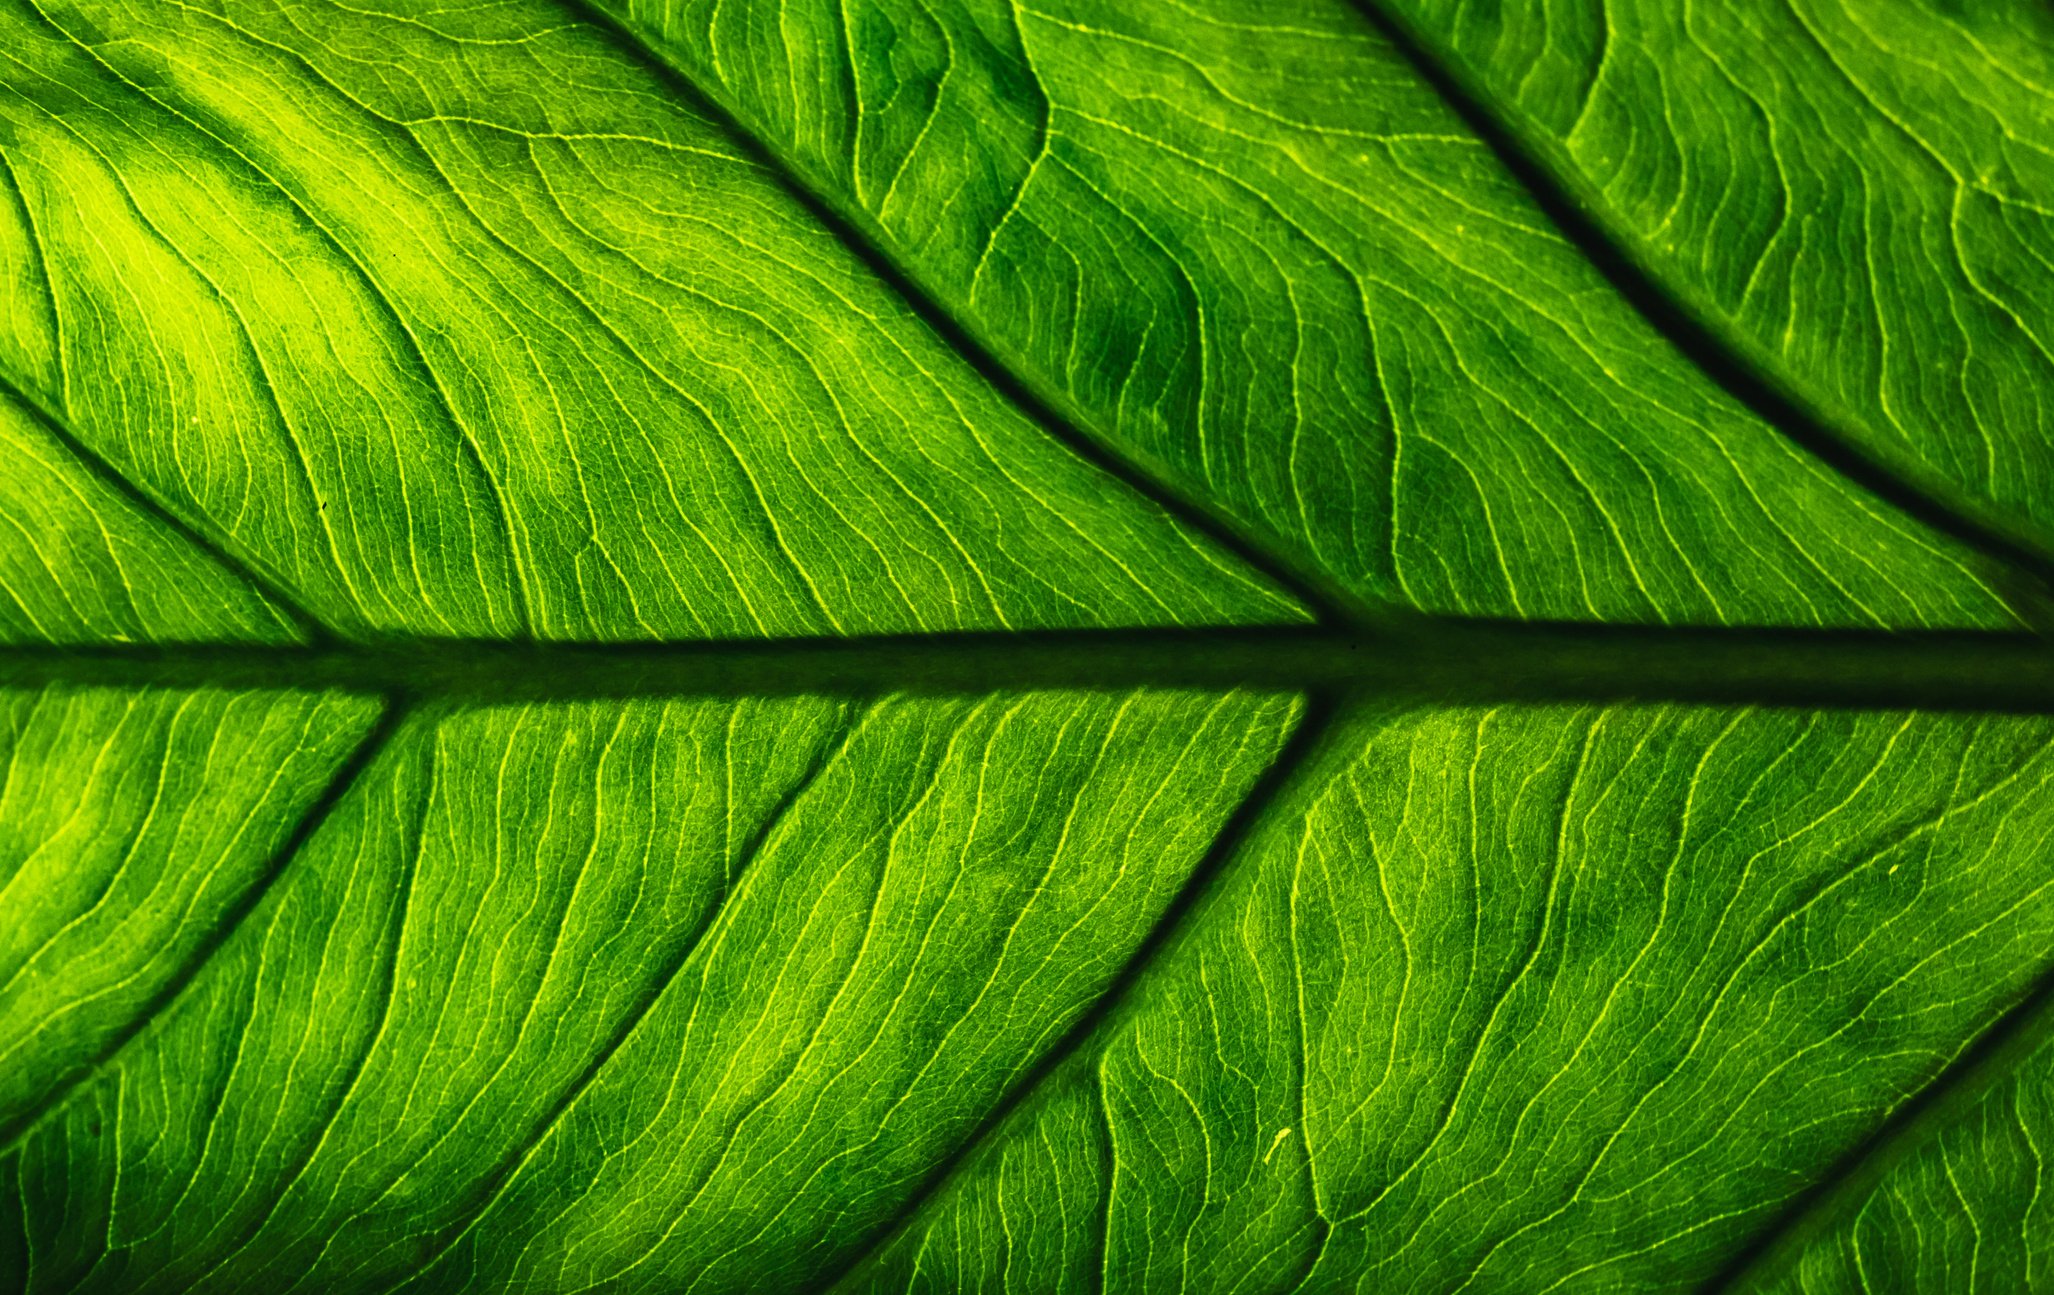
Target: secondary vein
x=302 y=622
x=1088 y=1029
x=1847 y=1185
x=487 y=1191
x=1707 y=342
x=346 y=776
x=1327 y=601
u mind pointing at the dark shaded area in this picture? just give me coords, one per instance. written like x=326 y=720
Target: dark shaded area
x=1451 y=662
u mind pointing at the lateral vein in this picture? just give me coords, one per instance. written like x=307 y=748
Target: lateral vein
x=346 y=776
x=1327 y=602
x=302 y=622
x=1705 y=342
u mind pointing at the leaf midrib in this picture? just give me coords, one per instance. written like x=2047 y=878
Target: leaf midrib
x=1427 y=662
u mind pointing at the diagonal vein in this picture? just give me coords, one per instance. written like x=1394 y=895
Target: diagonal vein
x=1847 y=1184
x=854 y=229
x=478 y=1203
x=304 y=624
x=1704 y=340
x=1086 y=1031
x=345 y=777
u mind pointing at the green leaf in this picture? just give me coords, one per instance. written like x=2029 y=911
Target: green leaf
x=1251 y=247
x=468 y=353
x=1858 y=199
x=134 y=828
x=694 y=645
x=83 y=562
x=1529 y=1000
x=689 y=990
x=1966 y=1212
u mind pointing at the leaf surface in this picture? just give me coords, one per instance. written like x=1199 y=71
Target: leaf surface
x=684 y=645
x=514 y=345
x=1966 y=1212
x=672 y=992
x=85 y=563
x=133 y=827
x=1858 y=198
x=1332 y=313
x=1528 y=1000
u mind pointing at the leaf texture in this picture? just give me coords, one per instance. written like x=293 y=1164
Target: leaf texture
x=672 y=993
x=513 y=344
x=1528 y=1000
x=130 y=827
x=1858 y=197
x=83 y=563
x=1968 y=1212
x=1332 y=314
x=1165 y=646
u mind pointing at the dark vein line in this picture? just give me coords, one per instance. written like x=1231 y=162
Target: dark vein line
x=1318 y=718
x=260 y=371
x=345 y=776
x=1439 y=662
x=386 y=991
x=41 y=256
x=1938 y=506
x=1327 y=601
x=1950 y=1097
x=1109 y=1165
x=1935 y=670
x=478 y=1202
x=17 y=1251
x=303 y=623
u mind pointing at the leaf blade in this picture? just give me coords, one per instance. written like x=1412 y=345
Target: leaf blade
x=1965 y=1212
x=1884 y=266
x=86 y=564
x=921 y=952
x=1535 y=998
x=1335 y=316
x=136 y=828
x=601 y=380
